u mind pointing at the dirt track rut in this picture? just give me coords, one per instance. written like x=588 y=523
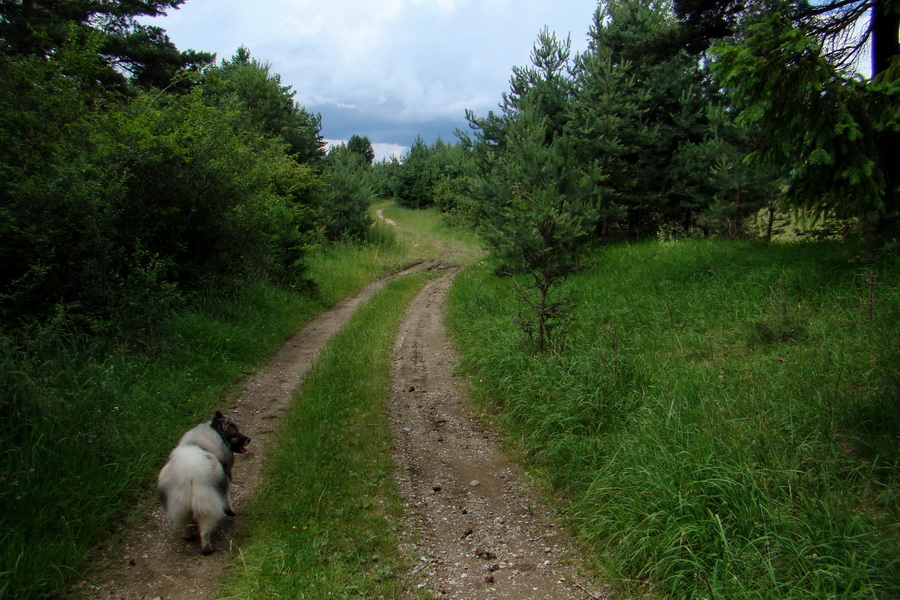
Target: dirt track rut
x=150 y=560
x=474 y=526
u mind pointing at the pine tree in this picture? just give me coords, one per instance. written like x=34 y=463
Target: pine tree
x=142 y=51
x=248 y=85
x=606 y=124
x=541 y=227
x=415 y=181
x=635 y=107
x=536 y=198
x=834 y=136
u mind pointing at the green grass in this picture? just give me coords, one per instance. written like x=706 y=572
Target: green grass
x=340 y=270
x=325 y=523
x=86 y=423
x=723 y=419
x=428 y=236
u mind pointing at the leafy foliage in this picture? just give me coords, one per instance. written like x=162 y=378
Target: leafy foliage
x=347 y=195
x=115 y=207
x=245 y=84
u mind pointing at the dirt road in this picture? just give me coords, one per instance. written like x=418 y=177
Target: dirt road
x=472 y=525
x=151 y=561
x=472 y=521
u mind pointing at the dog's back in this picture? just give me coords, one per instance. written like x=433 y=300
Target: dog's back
x=193 y=488
x=205 y=437
x=193 y=485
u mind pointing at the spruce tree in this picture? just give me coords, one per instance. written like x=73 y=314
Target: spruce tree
x=833 y=135
x=636 y=106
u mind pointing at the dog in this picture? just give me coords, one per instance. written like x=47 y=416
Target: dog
x=193 y=485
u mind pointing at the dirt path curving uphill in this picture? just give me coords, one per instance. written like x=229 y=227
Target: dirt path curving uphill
x=150 y=560
x=472 y=523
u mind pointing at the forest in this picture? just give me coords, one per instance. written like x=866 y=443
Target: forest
x=157 y=204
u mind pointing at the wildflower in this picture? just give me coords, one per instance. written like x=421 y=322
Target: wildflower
x=2 y=479
x=31 y=470
x=780 y=359
x=838 y=297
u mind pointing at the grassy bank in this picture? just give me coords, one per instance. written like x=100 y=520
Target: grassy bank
x=325 y=524
x=87 y=423
x=724 y=419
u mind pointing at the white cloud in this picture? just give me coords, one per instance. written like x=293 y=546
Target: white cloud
x=406 y=61
x=382 y=150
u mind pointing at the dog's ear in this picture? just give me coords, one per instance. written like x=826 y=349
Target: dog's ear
x=218 y=422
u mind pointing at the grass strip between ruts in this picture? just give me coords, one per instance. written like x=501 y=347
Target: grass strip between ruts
x=325 y=522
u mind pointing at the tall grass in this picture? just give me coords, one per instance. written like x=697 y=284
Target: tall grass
x=429 y=236
x=86 y=423
x=724 y=419
x=325 y=524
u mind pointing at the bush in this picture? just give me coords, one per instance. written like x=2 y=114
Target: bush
x=130 y=207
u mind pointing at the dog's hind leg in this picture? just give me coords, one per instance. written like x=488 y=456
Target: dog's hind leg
x=189 y=531
x=229 y=509
x=207 y=524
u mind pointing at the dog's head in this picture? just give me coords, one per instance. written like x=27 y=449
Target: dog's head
x=235 y=440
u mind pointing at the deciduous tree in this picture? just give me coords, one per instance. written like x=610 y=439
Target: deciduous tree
x=363 y=147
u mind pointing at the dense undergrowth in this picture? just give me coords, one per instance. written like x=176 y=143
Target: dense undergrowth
x=723 y=419
x=87 y=421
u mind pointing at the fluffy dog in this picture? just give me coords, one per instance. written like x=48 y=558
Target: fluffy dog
x=193 y=485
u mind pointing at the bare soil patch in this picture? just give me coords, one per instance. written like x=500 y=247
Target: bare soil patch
x=472 y=522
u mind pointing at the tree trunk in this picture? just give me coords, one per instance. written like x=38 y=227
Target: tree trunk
x=735 y=222
x=771 y=224
x=885 y=25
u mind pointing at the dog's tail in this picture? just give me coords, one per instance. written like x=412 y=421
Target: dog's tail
x=193 y=489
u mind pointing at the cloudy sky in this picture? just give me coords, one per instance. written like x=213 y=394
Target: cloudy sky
x=386 y=69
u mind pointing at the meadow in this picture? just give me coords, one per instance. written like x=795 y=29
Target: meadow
x=721 y=420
